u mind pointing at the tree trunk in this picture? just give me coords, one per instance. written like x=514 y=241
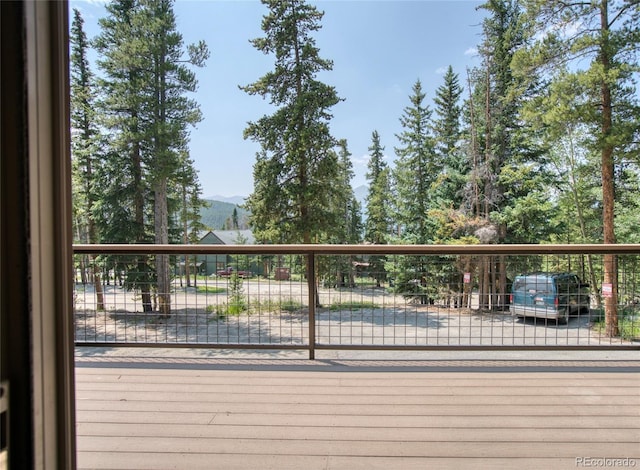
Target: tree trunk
x=504 y=292
x=608 y=186
x=145 y=287
x=162 y=238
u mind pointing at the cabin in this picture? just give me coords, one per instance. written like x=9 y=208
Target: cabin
x=209 y=264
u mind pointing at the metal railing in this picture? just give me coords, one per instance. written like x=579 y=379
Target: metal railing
x=313 y=297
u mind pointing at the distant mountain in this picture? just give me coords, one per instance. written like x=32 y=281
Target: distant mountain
x=219 y=212
x=237 y=200
x=221 y=208
x=361 y=193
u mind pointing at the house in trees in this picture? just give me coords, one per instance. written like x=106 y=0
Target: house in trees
x=209 y=264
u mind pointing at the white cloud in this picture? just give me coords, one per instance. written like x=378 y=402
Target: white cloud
x=441 y=70
x=472 y=51
x=363 y=160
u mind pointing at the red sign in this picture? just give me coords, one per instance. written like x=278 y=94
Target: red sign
x=467 y=278
x=607 y=290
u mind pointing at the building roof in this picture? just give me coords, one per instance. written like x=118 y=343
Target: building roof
x=228 y=237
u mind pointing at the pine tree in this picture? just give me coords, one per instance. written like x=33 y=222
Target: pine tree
x=378 y=223
x=191 y=204
x=604 y=41
x=170 y=113
x=415 y=175
x=448 y=134
x=345 y=202
x=508 y=173
x=123 y=216
x=297 y=166
x=147 y=113
x=349 y=227
x=416 y=170
x=85 y=146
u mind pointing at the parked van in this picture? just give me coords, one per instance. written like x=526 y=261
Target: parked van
x=549 y=295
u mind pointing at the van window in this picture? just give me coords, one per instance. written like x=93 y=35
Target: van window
x=533 y=284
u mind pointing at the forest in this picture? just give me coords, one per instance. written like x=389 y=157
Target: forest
x=538 y=144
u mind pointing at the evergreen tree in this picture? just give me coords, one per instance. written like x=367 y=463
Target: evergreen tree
x=378 y=223
x=508 y=172
x=297 y=167
x=123 y=217
x=85 y=147
x=190 y=211
x=349 y=229
x=416 y=170
x=170 y=112
x=148 y=113
x=510 y=152
x=599 y=39
x=234 y=218
x=346 y=204
x=448 y=134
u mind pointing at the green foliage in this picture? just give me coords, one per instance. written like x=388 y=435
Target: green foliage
x=527 y=210
x=85 y=141
x=237 y=301
x=344 y=203
x=149 y=189
x=416 y=170
x=410 y=277
x=628 y=324
x=297 y=166
x=593 y=71
x=448 y=133
x=378 y=224
x=209 y=289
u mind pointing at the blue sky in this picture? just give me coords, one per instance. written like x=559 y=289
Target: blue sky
x=379 y=49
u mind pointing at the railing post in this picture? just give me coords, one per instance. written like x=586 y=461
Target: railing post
x=311 y=282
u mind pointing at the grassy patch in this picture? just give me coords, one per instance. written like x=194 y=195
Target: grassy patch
x=628 y=324
x=290 y=305
x=221 y=311
x=239 y=305
x=287 y=305
x=210 y=290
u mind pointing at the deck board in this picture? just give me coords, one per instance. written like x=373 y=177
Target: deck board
x=349 y=415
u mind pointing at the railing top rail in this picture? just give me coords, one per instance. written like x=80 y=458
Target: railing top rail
x=302 y=249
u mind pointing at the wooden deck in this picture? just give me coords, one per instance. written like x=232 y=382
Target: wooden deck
x=338 y=414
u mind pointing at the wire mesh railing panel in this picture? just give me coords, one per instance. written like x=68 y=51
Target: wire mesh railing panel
x=382 y=300
x=237 y=300
x=433 y=301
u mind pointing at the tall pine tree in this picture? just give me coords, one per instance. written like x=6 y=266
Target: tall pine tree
x=600 y=40
x=417 y=169
x=85 y=144
x=378 y=223
x=416 y=172
x=510 y=196
x=170 y=113
x=147 y=112
x=297 y=165
x=448 y=134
